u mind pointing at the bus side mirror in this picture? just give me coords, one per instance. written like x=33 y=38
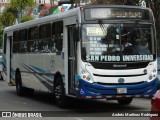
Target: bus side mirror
x=76 y=34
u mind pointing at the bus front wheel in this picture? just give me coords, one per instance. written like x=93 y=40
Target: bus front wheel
x=19 y=87
x=59 y=93
x=126 y=101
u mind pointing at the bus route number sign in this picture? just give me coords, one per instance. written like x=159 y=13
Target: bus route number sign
x=121 y=90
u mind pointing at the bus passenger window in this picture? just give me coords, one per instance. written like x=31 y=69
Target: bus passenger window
x=15 y=36
x=32 y=39
x=15 y=42
x=23 y=47
x=44 y=38
x=43 y=46
x=57 y=36
x=23 y=41
x=31 y=46
x=15 y=47
x=53 y=46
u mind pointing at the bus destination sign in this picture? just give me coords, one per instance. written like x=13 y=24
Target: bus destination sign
x=111 y=13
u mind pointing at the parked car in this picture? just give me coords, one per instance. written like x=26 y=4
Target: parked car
x=155 y=102
x=155 y=106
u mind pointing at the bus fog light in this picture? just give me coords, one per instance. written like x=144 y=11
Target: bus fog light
x=154 y=75
x=84 y=76
x=150 y=77
x=88 y=78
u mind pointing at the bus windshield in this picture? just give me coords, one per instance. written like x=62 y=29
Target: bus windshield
x=118 y=42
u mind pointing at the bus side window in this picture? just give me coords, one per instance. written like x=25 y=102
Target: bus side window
x=5 y=43
x=57 y=36
x=15 y=41
x=32 y=45
x=44 y=38
x=23 y=41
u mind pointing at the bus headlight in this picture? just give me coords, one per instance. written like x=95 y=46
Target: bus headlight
x=154 y=74
x=86 y=76
x=150 y=77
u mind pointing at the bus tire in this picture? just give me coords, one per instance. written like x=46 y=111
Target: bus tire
x=59 y=93
x=19 y=88
x=1 y=77
x=126 y=101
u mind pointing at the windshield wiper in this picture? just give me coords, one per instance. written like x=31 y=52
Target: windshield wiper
x=102 y=26
x=132 y=30
x=100 y=22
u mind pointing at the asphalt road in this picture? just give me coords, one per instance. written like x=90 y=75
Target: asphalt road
x=77 y=109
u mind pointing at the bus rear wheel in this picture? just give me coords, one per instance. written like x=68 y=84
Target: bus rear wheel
x=59 y=93
x=126 y=101
x=1 y=77
x=19 y=88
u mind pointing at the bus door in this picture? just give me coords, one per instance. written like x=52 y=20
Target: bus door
x=72 y=61
x=9 y=57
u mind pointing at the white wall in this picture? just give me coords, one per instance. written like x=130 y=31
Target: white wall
x=4 y=1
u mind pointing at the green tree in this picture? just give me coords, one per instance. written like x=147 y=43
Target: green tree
x=20 y=5
x=26 y=18
x=8 y=17
x=1 y=35
x=10 y=13
x=155 y=6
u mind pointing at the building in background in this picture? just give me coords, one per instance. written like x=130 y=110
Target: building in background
x=38 y=2
x=3 y=4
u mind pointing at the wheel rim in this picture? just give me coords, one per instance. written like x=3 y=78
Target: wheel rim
x=58 y=92
x=18 y=87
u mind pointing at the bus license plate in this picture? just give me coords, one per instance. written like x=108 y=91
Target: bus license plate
x=121 y=90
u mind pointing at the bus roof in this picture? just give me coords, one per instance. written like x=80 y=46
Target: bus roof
x=58 y=16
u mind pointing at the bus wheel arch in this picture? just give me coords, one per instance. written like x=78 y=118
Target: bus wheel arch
x=57 y=75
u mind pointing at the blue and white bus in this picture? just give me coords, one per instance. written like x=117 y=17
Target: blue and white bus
x=88 y=52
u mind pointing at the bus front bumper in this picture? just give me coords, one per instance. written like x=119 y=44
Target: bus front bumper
x=95 y=90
